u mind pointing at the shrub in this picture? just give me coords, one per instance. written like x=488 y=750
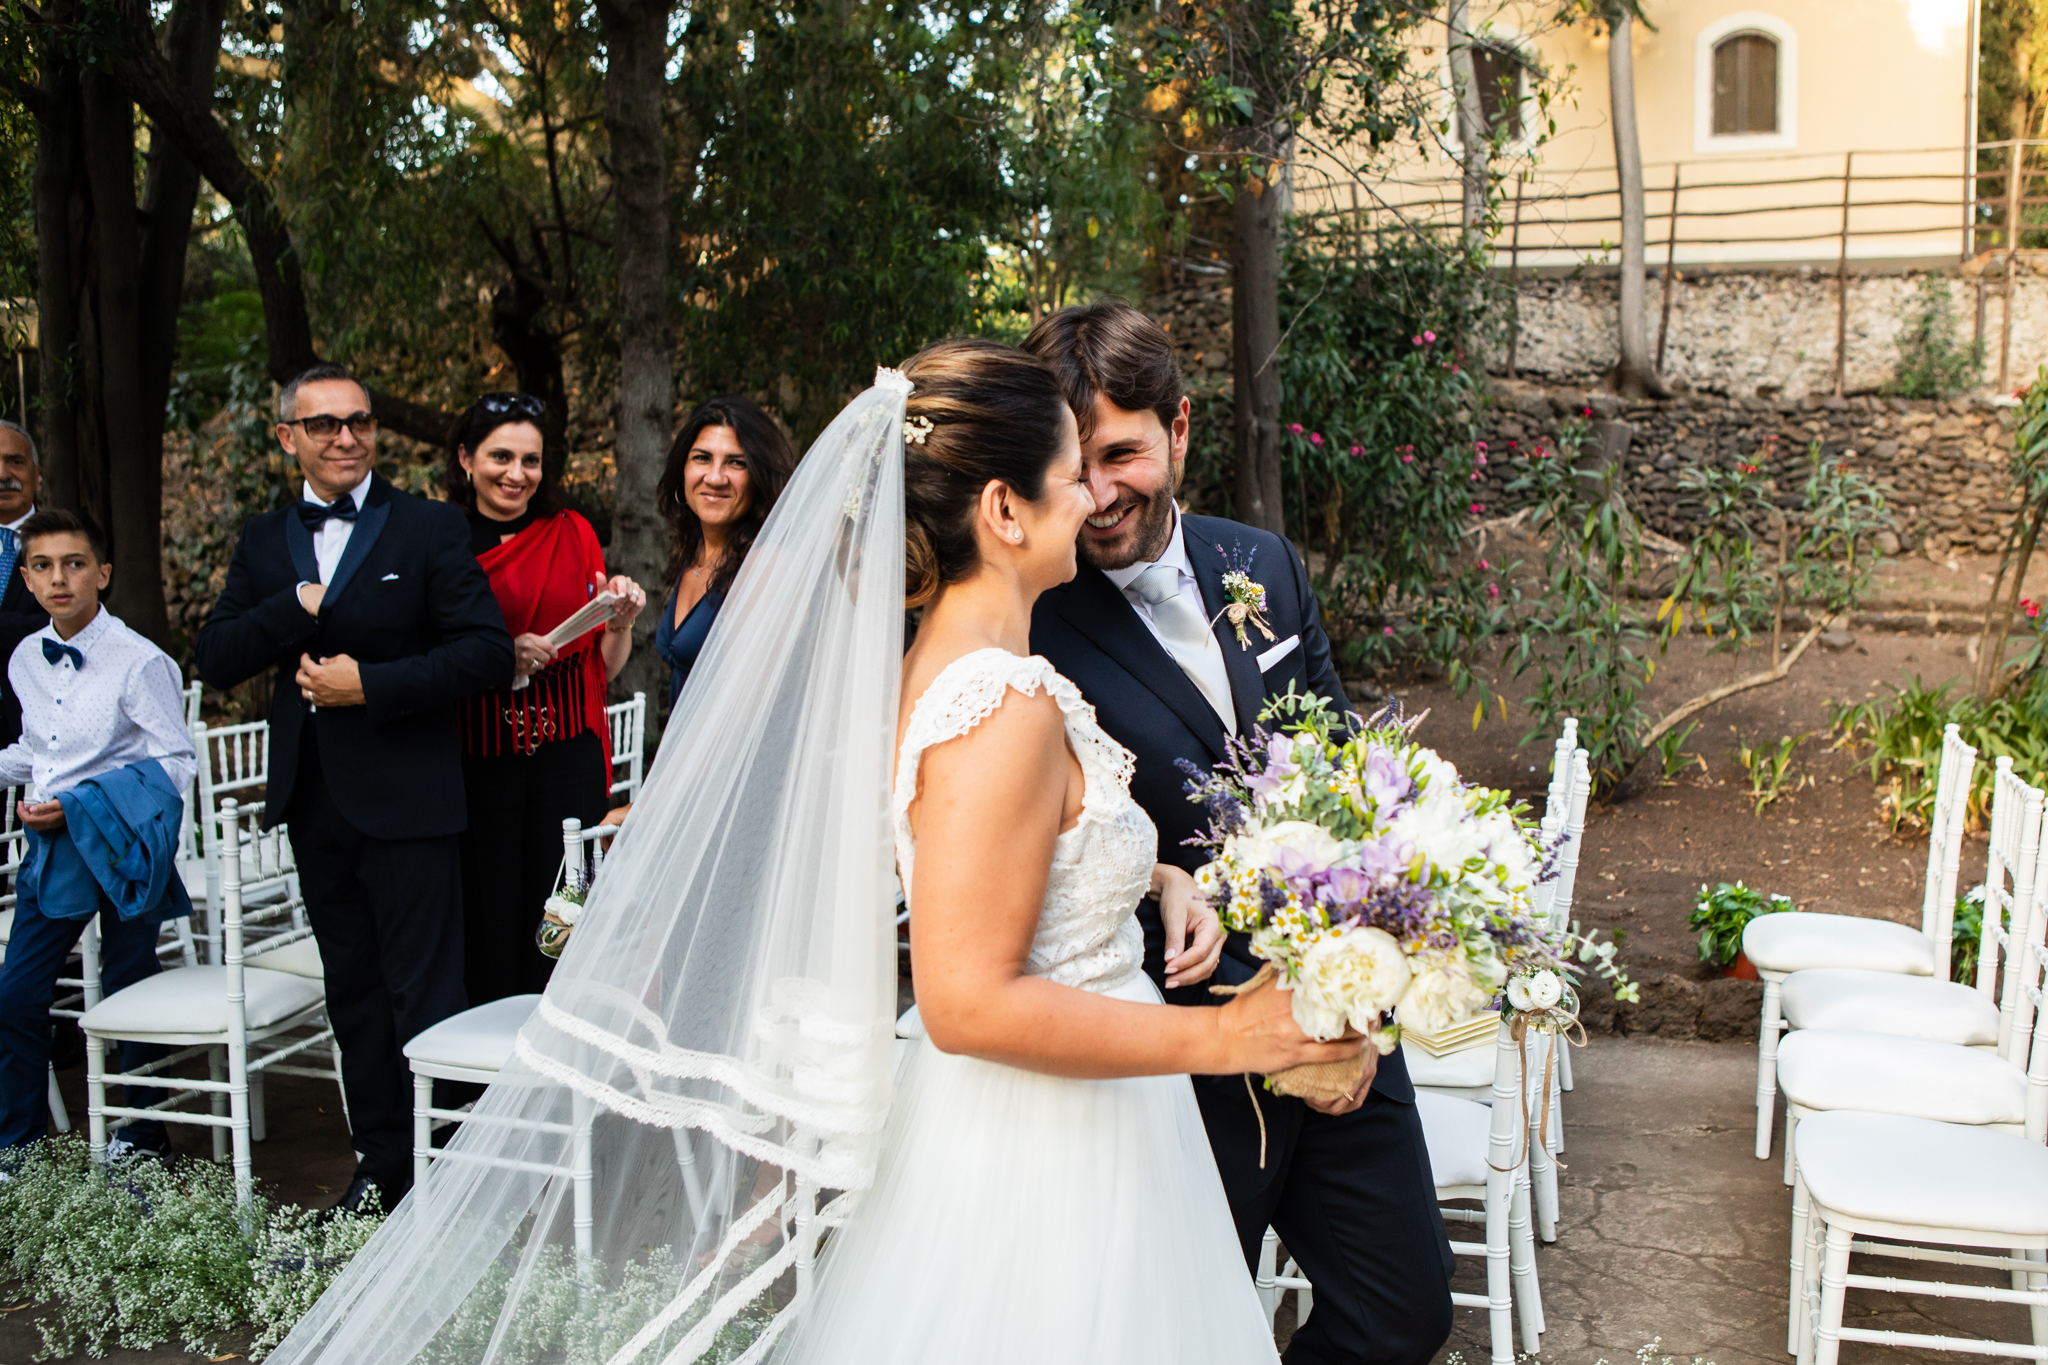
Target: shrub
x=1903 y=734
x=1933 y=361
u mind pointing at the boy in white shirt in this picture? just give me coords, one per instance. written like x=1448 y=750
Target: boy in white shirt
x=96 y=698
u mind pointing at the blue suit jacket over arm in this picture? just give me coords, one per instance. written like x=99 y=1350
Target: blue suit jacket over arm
x=120 y=837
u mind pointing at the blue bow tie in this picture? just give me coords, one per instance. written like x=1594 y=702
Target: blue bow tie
x=315 y=514
x=55 y=652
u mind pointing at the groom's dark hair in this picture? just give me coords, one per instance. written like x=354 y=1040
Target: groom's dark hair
x=1110 y=349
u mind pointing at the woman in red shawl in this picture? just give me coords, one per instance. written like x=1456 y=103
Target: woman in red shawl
x=537 y=754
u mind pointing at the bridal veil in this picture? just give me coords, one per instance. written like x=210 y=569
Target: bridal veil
x=705 y=1084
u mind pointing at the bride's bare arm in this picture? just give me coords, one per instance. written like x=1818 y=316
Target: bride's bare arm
x=989 y=807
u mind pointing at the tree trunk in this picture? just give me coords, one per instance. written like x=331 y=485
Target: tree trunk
x=58 y=192
x=1473 y=137
x=636 y=59
x=1635 y=374
x=1258 y=215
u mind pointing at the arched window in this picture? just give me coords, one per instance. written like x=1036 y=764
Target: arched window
x=1745 y=85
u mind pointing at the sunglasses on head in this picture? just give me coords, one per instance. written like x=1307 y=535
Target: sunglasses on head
x=324 y=427
x=523 y=404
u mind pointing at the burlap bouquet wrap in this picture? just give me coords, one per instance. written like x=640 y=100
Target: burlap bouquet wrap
x=1321 y=1082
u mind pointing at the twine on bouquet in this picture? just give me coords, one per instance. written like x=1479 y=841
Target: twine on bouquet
x=1559 y=1021
x=1326 y=1082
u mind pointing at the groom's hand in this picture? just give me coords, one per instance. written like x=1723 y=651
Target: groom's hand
x=1357 y=1096
x=1194 y=934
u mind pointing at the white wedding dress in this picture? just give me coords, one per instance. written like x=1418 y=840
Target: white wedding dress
x=1024 y=1219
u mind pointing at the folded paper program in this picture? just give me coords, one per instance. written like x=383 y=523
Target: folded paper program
x=581 y=622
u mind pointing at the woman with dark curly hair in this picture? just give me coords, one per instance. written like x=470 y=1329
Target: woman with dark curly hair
x=727 y=467
x=537 y=751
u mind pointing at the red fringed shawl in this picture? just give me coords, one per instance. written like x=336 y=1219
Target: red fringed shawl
x=541 y=577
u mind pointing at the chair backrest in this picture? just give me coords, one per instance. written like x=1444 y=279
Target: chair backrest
x=628 y=720
x=194 y=692
x=1561 y=767
x=2010 y=893
x=1579 y=785
x=250 y=856
x=2037 y=1060
x=2018 y=945
x=1945 y=840
x=234 y=760
x=583 y=852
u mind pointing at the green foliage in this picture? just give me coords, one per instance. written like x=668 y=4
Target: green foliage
x=145 y=1253
x=1671 y=761
x=1968 y=935
x=1769 y=769
x=1380 y=447
x=1720 y=916
x=1934 y=361
x=1586 y=644
x=1903 y=733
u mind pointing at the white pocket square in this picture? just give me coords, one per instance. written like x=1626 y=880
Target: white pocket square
x=389 y=578
x=1279 y=652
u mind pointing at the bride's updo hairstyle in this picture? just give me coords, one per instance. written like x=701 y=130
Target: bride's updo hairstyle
x=977 y=411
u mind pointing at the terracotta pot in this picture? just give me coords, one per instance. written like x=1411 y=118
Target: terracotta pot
x=1741 y=969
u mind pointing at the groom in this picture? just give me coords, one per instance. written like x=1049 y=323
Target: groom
x=1347 y=1186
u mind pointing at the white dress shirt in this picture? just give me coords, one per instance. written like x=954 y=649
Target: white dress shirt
x=1175 y=556
x=124 y=706
x=332 y=537
x=15 y=525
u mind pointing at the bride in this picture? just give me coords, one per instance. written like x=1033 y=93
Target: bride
x=703 y=1147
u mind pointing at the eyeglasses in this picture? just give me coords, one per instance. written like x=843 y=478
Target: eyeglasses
x=325 y=428
x=524 y=404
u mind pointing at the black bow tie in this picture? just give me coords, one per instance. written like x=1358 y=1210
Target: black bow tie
x=55 y=652
x=315 y=514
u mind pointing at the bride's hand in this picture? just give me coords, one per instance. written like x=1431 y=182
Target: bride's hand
x=1194 y=935
x=1259 y=1034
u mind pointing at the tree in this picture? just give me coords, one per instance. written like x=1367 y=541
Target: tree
x=1474 y=137
x=110 y=270
x=1635 y=371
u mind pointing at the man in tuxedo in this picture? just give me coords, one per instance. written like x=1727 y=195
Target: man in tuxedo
x=1347 y=1185
x=370 y=607
x=21 y=616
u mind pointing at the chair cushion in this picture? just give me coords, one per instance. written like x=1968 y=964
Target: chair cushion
x=1800 y=940
x=1469 y=1069
x=1887 y=1002
x=1457 y=1132
x=301 y=957
x=1884 y=1073
x=1925 y=1174
x=479 y=1038
x=195 y=1000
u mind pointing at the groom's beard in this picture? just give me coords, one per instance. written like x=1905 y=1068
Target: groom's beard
x=1141 y=539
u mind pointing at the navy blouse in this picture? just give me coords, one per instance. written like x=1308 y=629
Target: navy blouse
x=679 y=646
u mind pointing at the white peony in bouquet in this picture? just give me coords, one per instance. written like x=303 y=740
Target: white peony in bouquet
x=1371 y=879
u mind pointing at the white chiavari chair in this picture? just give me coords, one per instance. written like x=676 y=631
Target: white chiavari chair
x=234 y=764
x=1915 y=1189
x=1472 y=1156
x=1799 y=940
x=628 y=720
x=243 y=1018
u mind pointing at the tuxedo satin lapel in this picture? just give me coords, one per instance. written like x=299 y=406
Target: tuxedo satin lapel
x=369 y=525
x=1093 y=606
x=299 y=542
x=1247 y=689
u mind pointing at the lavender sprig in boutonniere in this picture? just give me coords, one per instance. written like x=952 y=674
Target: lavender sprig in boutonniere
x=1247 y=595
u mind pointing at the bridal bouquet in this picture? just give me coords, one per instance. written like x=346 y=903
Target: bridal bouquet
x=1370 y=878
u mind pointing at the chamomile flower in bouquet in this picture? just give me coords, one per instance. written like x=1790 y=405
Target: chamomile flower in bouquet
x=1371 y=878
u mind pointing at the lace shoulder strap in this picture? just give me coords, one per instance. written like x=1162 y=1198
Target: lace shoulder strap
x=966 y=692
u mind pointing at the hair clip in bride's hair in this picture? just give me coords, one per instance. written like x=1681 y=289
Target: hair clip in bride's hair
x=915 y=429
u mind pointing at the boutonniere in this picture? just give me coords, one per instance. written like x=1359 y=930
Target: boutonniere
x=1247 y=596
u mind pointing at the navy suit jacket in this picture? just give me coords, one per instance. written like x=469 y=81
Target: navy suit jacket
x=1091 y=633
x=410 y=604
x=20 y=617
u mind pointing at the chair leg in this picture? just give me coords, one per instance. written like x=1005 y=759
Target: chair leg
x=96 y=1098
x=59 y=1115
x=584 y=1113
x=334 y=1052
x=1801 y=1210
x=1499 y=1301
x=1543 y=1179
x=1834 y=1288
x=217 y=1070
x=1809 y=1283
x=693 y=1185
x=1564 y=1067
x=1767 y=1069
x=239 y=1130
x=1791 y=1128
x=1522 y=1265
x=422 y=1126
x=1262 y=1279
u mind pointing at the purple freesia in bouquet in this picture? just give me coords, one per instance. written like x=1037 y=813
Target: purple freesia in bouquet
x=1371 y=878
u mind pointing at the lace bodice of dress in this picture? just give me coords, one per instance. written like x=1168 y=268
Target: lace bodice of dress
x=1101 y=868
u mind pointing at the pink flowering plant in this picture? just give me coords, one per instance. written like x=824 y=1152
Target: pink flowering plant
x=1373 y=878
